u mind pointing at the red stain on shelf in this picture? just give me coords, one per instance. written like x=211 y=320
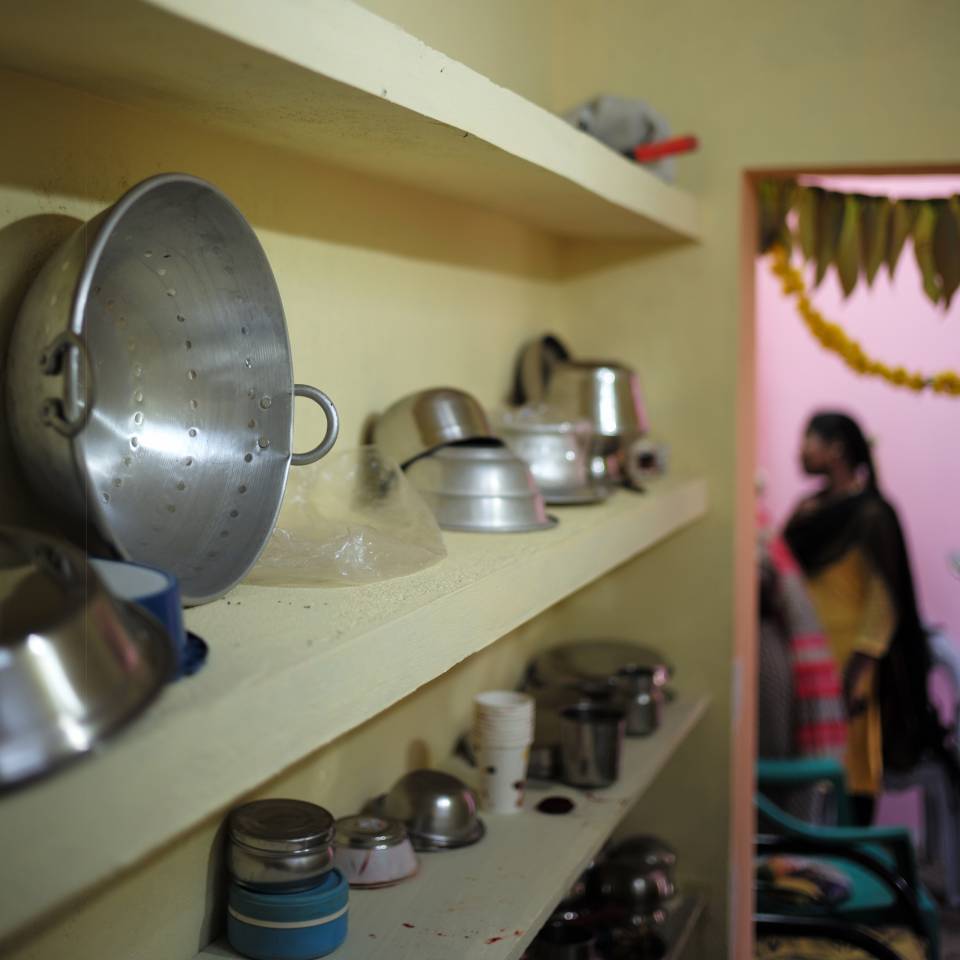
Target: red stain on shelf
x=518 y=933
x=494 y=939
x=409 y=926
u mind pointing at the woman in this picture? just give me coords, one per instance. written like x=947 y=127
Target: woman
x=848 y=541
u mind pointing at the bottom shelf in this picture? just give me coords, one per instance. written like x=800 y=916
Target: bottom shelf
x=488 y=901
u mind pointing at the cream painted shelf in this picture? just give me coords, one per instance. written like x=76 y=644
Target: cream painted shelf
x=272 y=651
x=330 y=79
x=489 y=901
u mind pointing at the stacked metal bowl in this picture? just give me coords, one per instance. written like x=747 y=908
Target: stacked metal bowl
x=471 y=480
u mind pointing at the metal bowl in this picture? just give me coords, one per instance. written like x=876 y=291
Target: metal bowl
x=75 y=663
x=482 y=488
x=439 y=810
x=279 y=845
x=637 y=873
x=374 y=852
x=423 y=421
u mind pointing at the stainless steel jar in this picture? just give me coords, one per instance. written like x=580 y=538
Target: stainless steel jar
x=279 y=845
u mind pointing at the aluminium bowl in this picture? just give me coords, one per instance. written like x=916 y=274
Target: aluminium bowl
x=76 y=664
x=421 y=422
x=482 y=488
x=438 y=809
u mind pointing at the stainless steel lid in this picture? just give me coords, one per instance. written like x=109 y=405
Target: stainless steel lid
x=369 y=833
x=596 y=662
x=281 y=826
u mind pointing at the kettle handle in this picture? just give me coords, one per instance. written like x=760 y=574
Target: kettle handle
x=535 y=368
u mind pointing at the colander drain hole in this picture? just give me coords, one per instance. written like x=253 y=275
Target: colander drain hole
x=247 y=457
x=192 y=431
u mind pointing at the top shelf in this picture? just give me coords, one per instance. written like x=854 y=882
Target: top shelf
x=330 y=79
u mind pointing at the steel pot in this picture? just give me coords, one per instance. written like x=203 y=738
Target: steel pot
x=605 y=393
x=557 y=450
x=76 y=664
x=150 y=389
x=280 y=845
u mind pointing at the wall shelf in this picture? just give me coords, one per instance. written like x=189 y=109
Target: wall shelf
x=329 y=79
x=272 y=650
x=489 y=901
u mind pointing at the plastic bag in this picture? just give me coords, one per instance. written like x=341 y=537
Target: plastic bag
x=351 y=518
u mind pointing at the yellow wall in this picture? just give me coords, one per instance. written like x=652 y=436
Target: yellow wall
x=387 y=290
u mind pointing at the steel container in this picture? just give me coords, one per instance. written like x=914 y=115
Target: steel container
x=279 y=845
x=591 y=740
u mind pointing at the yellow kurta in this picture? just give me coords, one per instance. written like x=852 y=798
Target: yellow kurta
x=858 y=616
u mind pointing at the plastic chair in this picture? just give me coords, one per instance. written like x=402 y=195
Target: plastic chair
x=811 y=928
x=878 y=861
x=940 y=839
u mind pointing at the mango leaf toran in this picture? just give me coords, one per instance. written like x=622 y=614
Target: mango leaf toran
x=854 y=234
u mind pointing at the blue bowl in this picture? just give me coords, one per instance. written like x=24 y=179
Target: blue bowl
x=289 y=926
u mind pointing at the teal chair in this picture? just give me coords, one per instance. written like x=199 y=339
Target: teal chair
x=879 y=861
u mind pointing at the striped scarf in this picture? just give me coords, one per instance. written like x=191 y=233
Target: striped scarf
x=819 y=722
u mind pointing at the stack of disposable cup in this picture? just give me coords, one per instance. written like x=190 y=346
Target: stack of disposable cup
x=502 y=734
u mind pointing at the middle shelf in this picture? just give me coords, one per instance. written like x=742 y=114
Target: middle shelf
x=488 y=901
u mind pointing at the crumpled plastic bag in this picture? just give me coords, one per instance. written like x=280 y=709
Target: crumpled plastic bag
x=350 y=518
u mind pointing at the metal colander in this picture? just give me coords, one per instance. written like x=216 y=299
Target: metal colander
x=151 y=388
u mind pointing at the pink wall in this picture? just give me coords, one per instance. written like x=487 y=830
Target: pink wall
x=916 y=438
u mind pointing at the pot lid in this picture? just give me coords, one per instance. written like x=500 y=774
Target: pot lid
x=281 y=825
x=599 y=661
x=369 y=833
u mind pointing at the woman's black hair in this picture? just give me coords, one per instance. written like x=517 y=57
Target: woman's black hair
x=838 y=427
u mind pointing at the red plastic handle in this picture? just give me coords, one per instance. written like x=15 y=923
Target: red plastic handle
x=664 y=148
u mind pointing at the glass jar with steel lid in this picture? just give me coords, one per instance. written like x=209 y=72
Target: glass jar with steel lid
x=280 y=845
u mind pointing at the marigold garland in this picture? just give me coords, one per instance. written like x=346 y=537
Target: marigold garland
x=834 y=339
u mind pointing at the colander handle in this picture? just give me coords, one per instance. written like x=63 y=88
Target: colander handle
x=333 y=424
x=67 y=355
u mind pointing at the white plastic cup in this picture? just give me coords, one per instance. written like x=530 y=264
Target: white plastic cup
x=503 y=718
x=503 y=777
